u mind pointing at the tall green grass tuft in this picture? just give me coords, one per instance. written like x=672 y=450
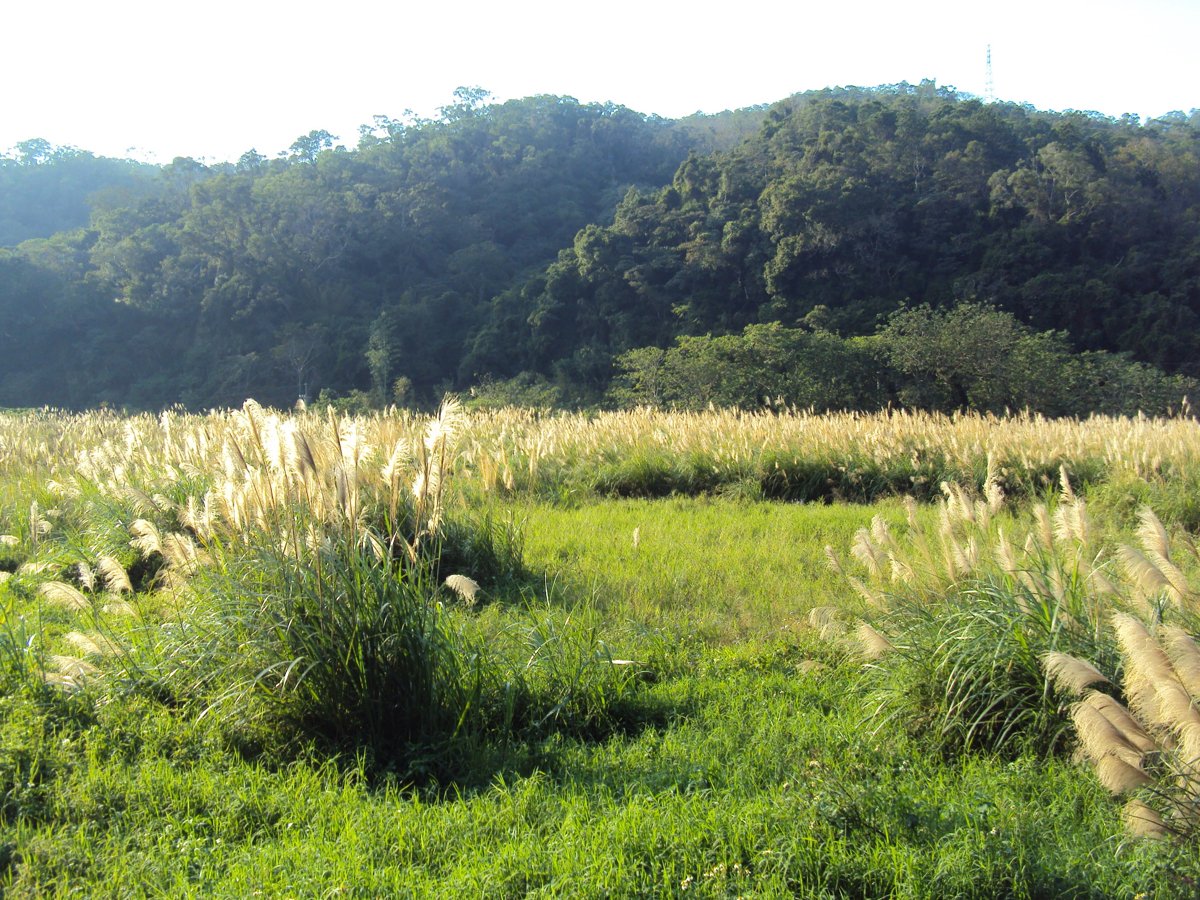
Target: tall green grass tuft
x=964 y=615
x=558 y=673
x=354 y=652
x=17 y=665
x=965 y=674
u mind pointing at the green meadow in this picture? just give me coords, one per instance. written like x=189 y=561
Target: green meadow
x=278 y=695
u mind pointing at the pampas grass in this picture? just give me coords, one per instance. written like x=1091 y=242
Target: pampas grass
x=1150 y=749
x=59 y=593
x=466 y=588
x=1068 y=673
x=974 y=634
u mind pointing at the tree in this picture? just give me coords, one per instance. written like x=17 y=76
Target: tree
x=380 y=344
x=298 y=350
x=307 y=147
x=972 y=357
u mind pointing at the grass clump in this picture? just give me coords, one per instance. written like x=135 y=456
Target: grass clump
x=288 y=577
x=963 y=616
x=965 y=675
x=358 y=654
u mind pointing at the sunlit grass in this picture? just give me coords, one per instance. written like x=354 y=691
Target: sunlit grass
x=659 y=711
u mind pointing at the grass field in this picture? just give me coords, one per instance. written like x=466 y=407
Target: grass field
x=644 y=702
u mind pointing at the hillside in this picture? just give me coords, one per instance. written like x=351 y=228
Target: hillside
x=541 y=239
x=849 y=204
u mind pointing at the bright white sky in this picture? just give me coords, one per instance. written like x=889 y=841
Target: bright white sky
x=155 y=79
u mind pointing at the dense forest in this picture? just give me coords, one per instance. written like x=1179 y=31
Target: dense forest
x=842 y=248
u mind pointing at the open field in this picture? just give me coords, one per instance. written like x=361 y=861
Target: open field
x=202 y=691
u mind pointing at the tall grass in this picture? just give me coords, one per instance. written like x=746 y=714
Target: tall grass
x=1146 y=748
x=967 y=611
x=305 y=578
x=343 y=648
x=791 y=455
x=794 y=455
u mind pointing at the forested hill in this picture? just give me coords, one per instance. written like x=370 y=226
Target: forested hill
x=542 y=238
x=46 y=189
x=849 y=204
x=310 y=271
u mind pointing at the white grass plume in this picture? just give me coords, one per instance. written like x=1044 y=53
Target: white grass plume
x=62 y=594
x=115 y=578
x=872 y=644
x=1143 y=821
x=146 y=539
x=466 y=588
x=1070 y=673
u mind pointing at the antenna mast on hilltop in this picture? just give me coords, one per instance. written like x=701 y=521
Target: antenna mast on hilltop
x=989 y=90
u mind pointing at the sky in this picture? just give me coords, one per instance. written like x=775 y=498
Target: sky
x=154 y=80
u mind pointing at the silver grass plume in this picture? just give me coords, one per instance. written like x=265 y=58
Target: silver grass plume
x=827 y=621
x=1157 y=548
x=1045 y=532
x=1148 y=581
x=59 y=593
x=1120 y=776
x=1070 y=673
x=1141 y=820
x=1152 y=533
x=1148 y=672
x=139 y=501
x=466 y=588
x=867 y=553
x=1064 y=481
x=92 y=644
x=76 y=669
x=1185 y=657
x=115 y=578
x=398 y=462
x=993 y=494
x=87 y=577
x=146 y=539
x=872 y=644
x=1129 y=728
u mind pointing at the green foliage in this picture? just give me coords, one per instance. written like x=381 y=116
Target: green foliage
x=19 y=665
x=526 y=390
x=855 y=202
x=346 y=649
x=973 y=357
x=1173 y=493
x=765 y=365
x=46 y=189
x=967 y=358
x=966 y=671
x=541 y=239
x=732 y=759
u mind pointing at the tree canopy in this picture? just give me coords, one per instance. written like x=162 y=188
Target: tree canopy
x=539 y=242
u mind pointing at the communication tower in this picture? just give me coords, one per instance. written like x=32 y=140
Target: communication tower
x=989 y=90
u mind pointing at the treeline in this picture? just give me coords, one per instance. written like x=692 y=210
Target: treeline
x=969 y=357
x=530 y=246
